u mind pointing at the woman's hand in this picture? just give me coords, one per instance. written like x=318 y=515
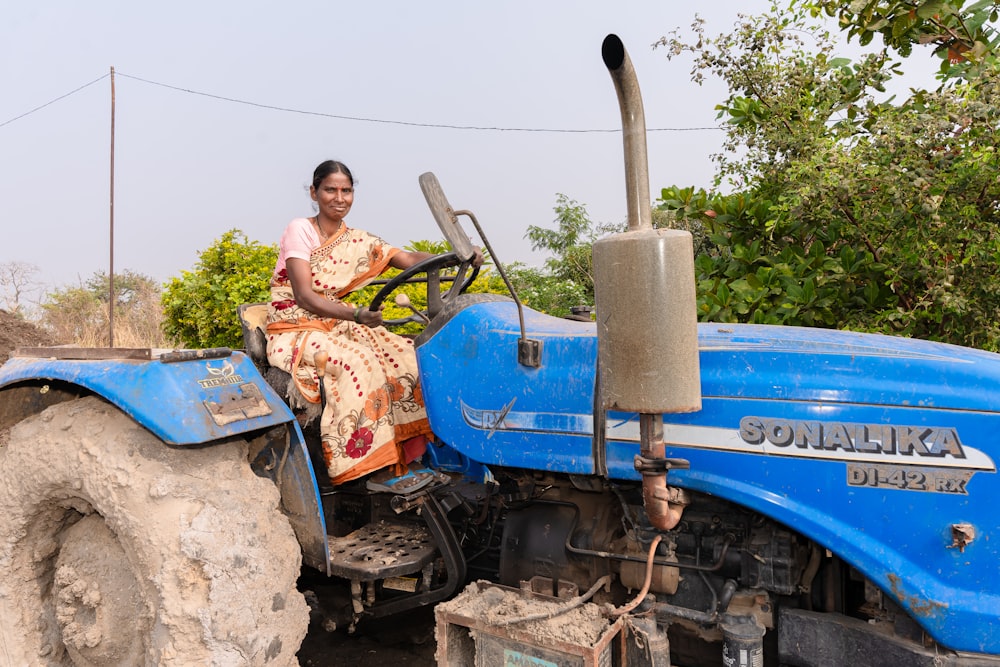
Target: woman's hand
x=368 y=317
x=477 y=256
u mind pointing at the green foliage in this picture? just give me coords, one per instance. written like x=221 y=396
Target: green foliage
x=541 y=291
x=201 y=304
x=568 y=277
x=846 y=211
x=746 y=273
x=681 y=208
x=960 y=34
x=569 y=243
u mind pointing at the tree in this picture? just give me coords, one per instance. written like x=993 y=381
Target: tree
x=17 y=282
x=540 y=290
x=846 y=209
x=568 y=277
x=201 y=305
x=569 y=243
x=80 y=314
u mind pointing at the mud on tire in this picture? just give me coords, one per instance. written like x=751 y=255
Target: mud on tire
x=116 y=549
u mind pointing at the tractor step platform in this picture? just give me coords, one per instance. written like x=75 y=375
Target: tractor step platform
x=380 y=550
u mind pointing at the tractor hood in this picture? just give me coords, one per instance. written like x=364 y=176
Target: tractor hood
x=825 y=384
x=880 y=449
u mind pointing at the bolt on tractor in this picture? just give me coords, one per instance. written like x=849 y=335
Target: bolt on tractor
x=751 y=495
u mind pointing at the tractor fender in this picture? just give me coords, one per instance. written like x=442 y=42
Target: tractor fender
x=186 y=399
x=188 y=402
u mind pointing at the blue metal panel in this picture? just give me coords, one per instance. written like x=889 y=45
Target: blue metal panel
x=472 y=383
x=871 y=445
x=172 y=400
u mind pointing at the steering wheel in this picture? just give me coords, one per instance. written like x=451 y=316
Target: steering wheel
x=436 y=299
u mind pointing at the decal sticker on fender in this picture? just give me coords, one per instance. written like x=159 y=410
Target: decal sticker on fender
x=908 y=478
x=885 y=439
x=839 y=441
x=221 y=376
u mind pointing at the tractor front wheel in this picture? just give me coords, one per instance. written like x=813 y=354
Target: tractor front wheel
x=116 y=549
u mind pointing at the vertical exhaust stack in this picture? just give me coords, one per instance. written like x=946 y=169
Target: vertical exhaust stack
x=647 y=333
x=633 y=132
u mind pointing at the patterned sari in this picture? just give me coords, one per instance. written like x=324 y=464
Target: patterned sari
x=373 y=400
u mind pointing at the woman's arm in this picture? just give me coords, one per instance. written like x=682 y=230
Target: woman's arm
x=300 y=275
x=404 y=259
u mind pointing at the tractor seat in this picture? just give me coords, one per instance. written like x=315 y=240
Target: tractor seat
x=253 y=322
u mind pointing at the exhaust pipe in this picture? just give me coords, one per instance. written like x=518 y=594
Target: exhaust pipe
x=647 y=325
x=633 y=132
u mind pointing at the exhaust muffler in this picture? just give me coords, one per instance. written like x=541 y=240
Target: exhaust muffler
x=647 y=325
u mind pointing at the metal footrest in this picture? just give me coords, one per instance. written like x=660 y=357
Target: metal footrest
x=381 y=550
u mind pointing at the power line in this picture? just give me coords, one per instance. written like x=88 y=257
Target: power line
x=61 y=97
x=359 y=119
x=398 y=122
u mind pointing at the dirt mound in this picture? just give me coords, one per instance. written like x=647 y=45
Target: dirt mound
x=15 y=332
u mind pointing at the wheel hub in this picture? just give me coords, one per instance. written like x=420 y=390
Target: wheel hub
x=98 y=605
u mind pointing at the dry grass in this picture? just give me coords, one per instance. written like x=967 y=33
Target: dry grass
x=130 y=331
x=80 y=319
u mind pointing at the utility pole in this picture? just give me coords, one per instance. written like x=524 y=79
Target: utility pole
x=111 y=235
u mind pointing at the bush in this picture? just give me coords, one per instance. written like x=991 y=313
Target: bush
x=200 y=306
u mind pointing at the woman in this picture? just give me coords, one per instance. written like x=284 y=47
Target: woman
x=374 y=415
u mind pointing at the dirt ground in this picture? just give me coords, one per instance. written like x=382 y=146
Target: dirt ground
x=406 y=641
x=15 y=332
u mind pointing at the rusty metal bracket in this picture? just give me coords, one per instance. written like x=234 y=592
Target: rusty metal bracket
x=654 y=466
x=245 y=402
x=529 y=352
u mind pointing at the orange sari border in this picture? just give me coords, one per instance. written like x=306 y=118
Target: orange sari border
x=303 y=324
x=383 y=457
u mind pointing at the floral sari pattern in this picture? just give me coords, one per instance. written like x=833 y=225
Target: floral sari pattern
x=373 y=400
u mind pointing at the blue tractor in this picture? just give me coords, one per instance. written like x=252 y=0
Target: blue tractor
x=749 y=495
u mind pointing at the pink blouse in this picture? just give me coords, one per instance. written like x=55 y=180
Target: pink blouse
x=299 y=240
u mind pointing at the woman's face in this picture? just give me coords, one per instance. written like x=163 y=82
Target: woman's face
x=334 y=196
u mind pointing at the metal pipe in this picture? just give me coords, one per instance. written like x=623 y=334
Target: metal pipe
x=529 y=350
x=661 y=503
x=727 y=541
x=633 y=130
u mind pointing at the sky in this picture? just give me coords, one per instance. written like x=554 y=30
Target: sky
x=223 y=110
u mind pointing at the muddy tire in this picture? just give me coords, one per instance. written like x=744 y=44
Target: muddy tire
x=118 y=550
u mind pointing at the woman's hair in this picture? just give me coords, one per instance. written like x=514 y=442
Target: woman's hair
x=330 y=167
